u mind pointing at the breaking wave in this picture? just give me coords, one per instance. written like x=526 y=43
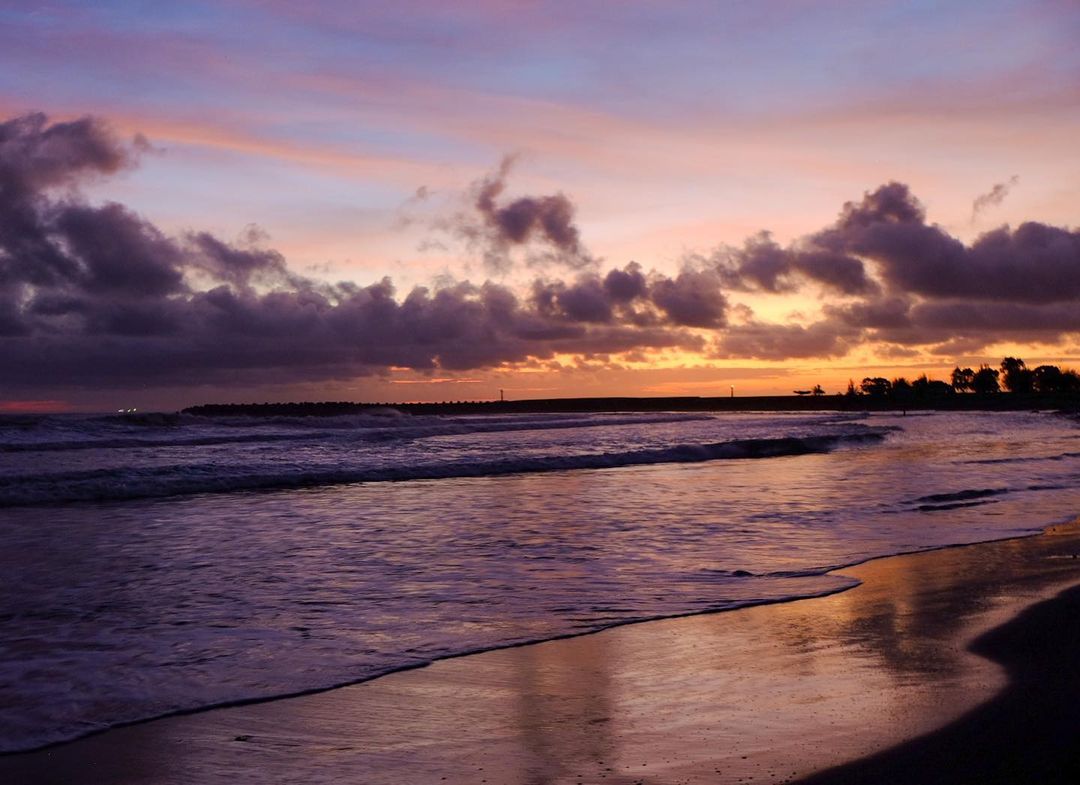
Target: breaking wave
x=122 y=483
x=177 y=430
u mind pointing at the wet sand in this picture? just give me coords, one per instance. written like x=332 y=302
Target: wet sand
x=878 y=679
x=1027 y=733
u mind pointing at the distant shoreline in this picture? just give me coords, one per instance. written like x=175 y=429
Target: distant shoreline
x=767 y=403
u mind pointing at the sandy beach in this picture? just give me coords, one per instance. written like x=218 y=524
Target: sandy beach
x=879 y=679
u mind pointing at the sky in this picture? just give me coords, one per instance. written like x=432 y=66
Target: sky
x=265 y=200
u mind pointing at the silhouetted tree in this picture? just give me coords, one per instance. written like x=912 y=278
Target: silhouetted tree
x=1016 y=376
x=985 y=380
x=924 y=387
x=963 y=379
x=876 y=386
x=902 y=390
x=851 y=389
x=1047 y=379
x=818 y=390
x=939 y=389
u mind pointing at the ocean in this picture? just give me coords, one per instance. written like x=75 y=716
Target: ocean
x=154 y=565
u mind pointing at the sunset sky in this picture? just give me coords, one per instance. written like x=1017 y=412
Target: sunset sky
x=269 y=200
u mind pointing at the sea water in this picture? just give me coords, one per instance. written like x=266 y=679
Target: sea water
x=153 y=565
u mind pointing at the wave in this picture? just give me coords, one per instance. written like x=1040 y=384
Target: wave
x=973 y=497
x=956 y=500
x=952 y=505
x=117 y=484
x=962 y=496
x=1023 y=459
x=193 y=431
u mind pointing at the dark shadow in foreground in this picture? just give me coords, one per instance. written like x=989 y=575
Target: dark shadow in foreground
x=1027 y=734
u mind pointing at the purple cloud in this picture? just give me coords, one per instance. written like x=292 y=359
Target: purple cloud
x=98 y=295
x=499 y=226
x=761 y=264
x=1034 y=263
x=993 y=197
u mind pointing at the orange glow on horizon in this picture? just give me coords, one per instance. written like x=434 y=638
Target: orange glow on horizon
x=34 y=407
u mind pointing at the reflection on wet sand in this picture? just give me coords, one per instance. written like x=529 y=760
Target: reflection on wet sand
x=773 y=692
x=1025 y=734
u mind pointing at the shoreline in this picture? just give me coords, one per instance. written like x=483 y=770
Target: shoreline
x=1031 y=571
x=838 y=571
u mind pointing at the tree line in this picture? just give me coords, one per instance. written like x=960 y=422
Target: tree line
x=1013 y=375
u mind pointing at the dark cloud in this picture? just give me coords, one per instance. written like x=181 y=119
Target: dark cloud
x=626 y=284
x=1034 y=263
x=932 y=289
x=764 y=265
x=993 y=197
x=760 y=263
x=891 y=203
x=227 y=334
x=763 y=341
x=542 y=223
x=961 y=317
x=955 y=322
x=693 y=298
x=840 y=272
x=35 y=154
x=584 y=301
x=111 y=250
x=879 y=313
x=97 y=295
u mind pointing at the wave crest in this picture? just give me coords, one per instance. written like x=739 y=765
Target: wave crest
x=151 y=482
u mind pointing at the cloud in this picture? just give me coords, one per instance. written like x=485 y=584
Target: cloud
x=693 y=298
x=786 y=341
x=975 y=324
x=877 y=313
x=761 y=264
x=962 y=317
x=910 y=282
x=993 y=197
x=584 y=301
x=627 y=284
x=97 y=295
x=542 y=223
x=36 y=155
x=1034 y=263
